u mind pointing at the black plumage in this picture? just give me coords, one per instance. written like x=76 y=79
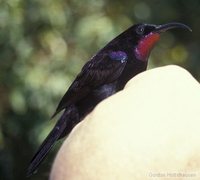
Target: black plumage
x=105 y=74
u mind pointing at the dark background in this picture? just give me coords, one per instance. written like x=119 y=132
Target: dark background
x=43 y=45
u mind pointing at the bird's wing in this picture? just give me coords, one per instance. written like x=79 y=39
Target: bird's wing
x=101 y=69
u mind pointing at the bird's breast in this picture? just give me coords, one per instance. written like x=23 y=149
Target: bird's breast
x=132 y=68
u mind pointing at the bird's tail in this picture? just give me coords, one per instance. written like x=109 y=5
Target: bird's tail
x=63 y=126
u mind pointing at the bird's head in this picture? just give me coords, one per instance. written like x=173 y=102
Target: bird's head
x=146 y=36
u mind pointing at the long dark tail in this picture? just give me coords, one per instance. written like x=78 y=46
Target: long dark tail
x=64 y=125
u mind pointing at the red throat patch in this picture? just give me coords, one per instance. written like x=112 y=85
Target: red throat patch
x=145 y=46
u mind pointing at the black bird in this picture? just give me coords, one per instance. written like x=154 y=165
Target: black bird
x=105 y=74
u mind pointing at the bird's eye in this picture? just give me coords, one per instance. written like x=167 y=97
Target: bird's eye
x=140 y=30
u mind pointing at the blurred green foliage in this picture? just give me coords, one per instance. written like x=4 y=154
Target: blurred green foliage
x=43 y=46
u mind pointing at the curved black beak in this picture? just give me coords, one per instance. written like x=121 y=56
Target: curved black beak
x=165 y=27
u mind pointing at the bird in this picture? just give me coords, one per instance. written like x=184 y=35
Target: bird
x=103 y=75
